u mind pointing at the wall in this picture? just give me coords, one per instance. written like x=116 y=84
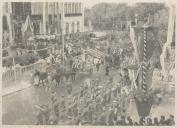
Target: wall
x=74 y=19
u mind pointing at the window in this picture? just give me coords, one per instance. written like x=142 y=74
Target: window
x=76 y=8
x=73 y=27
x=80 y=8
x=73 y=8
x=78 y=26
x=70 y=8
x=36 y=27
x=65 y=8
x=67 y=28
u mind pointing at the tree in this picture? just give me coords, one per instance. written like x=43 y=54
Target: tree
x=104 y=15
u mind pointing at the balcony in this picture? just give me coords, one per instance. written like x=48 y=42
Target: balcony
x=73 y=14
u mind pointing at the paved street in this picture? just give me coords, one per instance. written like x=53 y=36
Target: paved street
x=23 y=111
x=23 y=101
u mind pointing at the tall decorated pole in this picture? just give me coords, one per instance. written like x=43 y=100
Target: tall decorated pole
x=144 y=64
x=143 y=99
x=143 y=40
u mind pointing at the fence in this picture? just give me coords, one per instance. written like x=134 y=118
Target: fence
x=18 y=72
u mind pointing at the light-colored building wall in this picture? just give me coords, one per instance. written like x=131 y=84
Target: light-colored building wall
x=74 y=20
x=66 y=12
x=73 y=13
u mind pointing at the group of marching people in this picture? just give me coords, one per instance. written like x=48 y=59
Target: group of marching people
x=95 y=103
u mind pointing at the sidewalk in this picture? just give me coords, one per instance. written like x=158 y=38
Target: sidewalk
x=15 y=88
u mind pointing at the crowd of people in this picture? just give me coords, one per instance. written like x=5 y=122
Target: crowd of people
x=95 y=103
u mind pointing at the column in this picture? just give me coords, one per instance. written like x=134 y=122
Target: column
x=76 y=7
x=73 y=8
x=58 y=17
x=171 y=23
x=82 y=23
x=63 y=8
x=62 y=26
x=67 y=8
x=80 y=7
x=48 y=14
x=9 y=20
x=44 y=18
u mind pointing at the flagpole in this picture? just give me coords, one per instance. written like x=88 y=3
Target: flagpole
x=62 y=32
x=14 y=69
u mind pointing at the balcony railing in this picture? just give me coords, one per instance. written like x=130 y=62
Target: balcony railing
x=73 y=14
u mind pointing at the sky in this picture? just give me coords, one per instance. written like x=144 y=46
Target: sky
x=91 y=3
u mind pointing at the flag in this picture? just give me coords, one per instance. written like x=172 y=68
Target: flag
x=143 y=106
x=138 y=78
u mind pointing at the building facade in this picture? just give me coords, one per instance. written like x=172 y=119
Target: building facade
x=46 y=17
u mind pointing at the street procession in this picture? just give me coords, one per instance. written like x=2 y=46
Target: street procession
x=72 y=63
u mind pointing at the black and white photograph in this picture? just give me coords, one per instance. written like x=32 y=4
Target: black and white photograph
x=88 y=63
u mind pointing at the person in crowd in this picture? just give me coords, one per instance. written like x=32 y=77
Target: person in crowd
x=149 y=122
x=142 y=121
x=87 y=114
x=56 y=108
x=53 y=120
x=69 y=88
x=98 y=66
x=156 y=122
x=122 y=120
x=107 y=70
x=110 y=117
x=130 y=121
x=46 y=113
x=170 y=121
x=39 y=117
x=102 y=119
x=162 y=120
x=136 y=123
x=53 y=97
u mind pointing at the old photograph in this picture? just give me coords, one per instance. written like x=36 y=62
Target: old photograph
x=88 y=63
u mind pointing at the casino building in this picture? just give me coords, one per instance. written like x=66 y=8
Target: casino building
x=45 y=17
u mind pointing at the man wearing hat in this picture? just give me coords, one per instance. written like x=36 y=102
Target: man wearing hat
x=102 y=118
x=87 y=114
x=107 y=70
x=69 y=88
x=110 y=117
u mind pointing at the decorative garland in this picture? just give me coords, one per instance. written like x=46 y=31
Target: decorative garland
x=36 y=49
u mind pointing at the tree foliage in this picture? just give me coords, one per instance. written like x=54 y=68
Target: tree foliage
x=104 y=15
